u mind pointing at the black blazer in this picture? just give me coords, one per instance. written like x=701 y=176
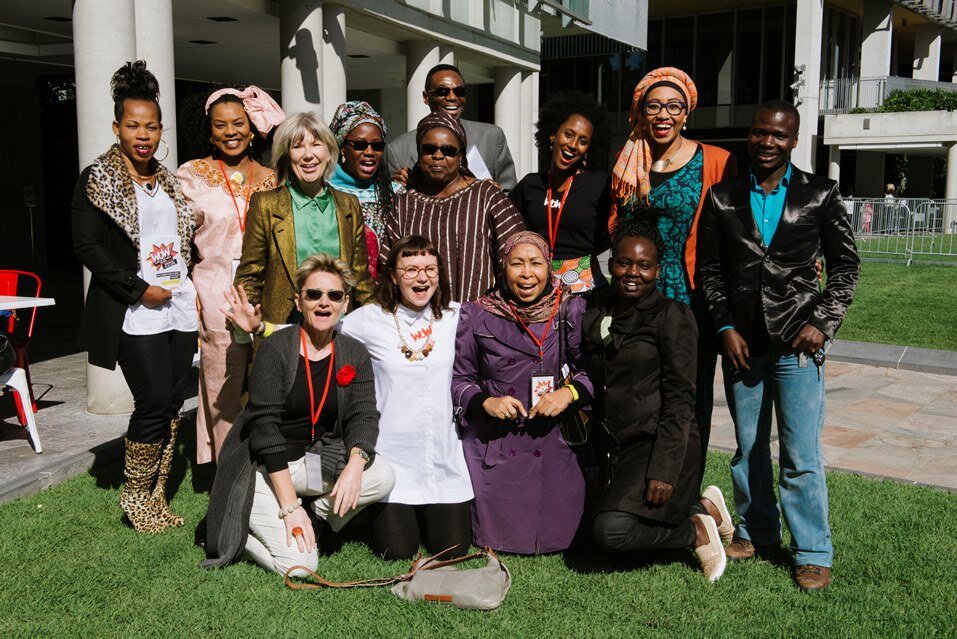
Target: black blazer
x=770 y=292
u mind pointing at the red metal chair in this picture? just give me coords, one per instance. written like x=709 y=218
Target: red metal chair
x=10 y=284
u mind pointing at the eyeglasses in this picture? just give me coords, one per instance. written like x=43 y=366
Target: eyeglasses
x=673 y=108
x=361 y=145
x=447 y=150
x=412 y=272
x=315 y=294
x=441 y=92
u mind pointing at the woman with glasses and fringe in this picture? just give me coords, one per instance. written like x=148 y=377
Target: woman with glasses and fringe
x=661 y=170
x=467 y=219
x=409 y=331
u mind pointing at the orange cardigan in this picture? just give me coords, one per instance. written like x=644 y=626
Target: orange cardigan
x=718 y=165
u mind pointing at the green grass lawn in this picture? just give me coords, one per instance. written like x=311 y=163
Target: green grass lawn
x=70 y=568
x=908 y=305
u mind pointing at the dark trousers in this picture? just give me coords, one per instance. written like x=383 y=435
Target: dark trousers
x=708 y=348
x=397 y=529
x=155 y=368
x=620 y=532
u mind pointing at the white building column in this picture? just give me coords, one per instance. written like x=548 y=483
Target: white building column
x=300 y=52
x=807 y=54
x=154 y=43
x=100 y=47
x=927 y=41
x=950 y=211
x=526 y=156
x=333 y=76
x=876 y=32
x=508 y=108
x=420 y=56
x=447 y=54
x=834 y=163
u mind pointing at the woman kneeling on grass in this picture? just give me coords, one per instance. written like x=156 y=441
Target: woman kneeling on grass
x=640 y=349
x=306 y=437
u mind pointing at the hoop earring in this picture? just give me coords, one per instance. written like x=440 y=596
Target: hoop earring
x=167 y=151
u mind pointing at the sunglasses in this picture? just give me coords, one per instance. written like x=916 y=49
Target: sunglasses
x=448 y=150
x=441 y=92
x=315 y=294
x=361 y=145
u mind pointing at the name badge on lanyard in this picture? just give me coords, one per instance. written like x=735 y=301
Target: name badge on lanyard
x=313 y=457
x=543 y=383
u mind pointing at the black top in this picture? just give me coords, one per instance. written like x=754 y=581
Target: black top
x=295 y=425
x=583 y=228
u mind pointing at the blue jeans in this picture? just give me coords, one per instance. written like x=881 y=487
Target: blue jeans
x=797 y=395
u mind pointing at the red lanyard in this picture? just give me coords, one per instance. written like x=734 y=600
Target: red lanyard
x=553 y=229
x=540 y=343
x=249 y=188
x=313 y=412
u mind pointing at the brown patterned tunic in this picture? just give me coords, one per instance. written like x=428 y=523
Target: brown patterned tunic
x=468 y=228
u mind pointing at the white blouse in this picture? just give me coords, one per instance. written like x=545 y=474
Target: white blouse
x=158 y=218
x=417 y=432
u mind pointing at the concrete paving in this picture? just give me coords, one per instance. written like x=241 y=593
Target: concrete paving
x=882 y=421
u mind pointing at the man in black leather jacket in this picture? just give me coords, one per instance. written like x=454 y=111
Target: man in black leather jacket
x=758 y=241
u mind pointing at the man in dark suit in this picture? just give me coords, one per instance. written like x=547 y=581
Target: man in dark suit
x=758 y=241
x=445 y=90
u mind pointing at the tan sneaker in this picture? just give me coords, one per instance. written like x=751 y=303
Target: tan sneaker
x=726 y=527
x=711 y=555
x=811 y=577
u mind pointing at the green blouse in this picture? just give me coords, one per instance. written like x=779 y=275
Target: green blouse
x=317 y=226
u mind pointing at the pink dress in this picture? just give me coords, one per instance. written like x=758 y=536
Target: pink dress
x=219 y=241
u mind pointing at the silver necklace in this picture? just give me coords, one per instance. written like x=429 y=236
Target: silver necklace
x=661 y=165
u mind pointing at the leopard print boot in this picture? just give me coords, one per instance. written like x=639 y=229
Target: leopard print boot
x=142 y=462
x=160 y=505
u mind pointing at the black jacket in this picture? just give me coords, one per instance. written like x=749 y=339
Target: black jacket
x=770 y=292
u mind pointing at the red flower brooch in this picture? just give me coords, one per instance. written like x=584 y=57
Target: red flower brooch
x=345 y=375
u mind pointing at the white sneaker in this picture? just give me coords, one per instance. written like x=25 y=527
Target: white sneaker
x=726 y=527
x=711 y=555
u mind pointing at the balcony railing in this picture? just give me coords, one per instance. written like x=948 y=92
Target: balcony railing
x=844 y=94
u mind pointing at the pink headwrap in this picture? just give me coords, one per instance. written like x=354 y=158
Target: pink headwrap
x=262 y=110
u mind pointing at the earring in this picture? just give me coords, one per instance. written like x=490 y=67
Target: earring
x=342 y=159
x=117 y=139
x=167 y=151
x=684 y=127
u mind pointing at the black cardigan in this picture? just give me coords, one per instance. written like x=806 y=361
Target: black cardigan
x=256 y=431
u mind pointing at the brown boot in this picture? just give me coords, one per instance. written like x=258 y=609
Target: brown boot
x=141 y=464
x=159 y=492
x=811 y=577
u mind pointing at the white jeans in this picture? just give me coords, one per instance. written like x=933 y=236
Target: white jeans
x=266 y=543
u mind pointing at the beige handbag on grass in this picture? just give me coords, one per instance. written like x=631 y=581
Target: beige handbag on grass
x=436 y=581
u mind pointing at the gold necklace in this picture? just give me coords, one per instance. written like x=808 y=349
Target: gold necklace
x=661 y=165
x=415 y=354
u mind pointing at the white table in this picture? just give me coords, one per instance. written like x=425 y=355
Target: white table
x=11 y=302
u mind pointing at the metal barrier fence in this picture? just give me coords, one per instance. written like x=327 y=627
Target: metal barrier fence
x=845 y=94
x=904 y=227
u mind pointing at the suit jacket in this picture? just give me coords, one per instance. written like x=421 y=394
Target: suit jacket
x=770 y=292
x=267 y=268
x=488 y=138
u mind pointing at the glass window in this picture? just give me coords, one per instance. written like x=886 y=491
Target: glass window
x=747 y=55
x=713 y=71
x=679 y=44
x=773 y=53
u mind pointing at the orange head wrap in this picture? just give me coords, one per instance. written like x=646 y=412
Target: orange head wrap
x=630 y=175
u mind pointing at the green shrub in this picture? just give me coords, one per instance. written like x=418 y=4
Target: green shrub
x=900 y=100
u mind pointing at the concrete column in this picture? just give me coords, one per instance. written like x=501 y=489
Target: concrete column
x=333 y=76
x=446 y=55
x=834 y=163
x=100 y=47
x=927 y=41
x=807 y=53
x=876 y=33
x=300 y=52
x=526 y=158
x=154 y=43
x=420 y=56
x=950 y=211
x=508 y=107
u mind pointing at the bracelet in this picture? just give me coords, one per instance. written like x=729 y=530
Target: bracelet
x=574 y=392
x=285 y=512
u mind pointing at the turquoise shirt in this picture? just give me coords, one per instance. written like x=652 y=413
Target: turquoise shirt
x=317 y=226
x=767 y=208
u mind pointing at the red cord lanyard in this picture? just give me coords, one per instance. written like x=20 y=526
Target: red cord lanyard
x=553 y=230
x=540 y=343
x=313 y=412
x=249 y=188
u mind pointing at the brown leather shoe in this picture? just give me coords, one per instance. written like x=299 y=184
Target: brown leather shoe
x=739 y=549
x=811 y=577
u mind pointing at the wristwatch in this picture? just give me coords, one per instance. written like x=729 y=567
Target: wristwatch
x=361 y=453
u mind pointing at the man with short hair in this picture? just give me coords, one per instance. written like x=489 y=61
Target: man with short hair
x=487 y=155
x=758 y=241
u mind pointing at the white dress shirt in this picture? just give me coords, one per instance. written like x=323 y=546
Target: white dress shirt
x=417 y=431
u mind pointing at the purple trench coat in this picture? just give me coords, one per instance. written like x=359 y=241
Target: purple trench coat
x=529 y=487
